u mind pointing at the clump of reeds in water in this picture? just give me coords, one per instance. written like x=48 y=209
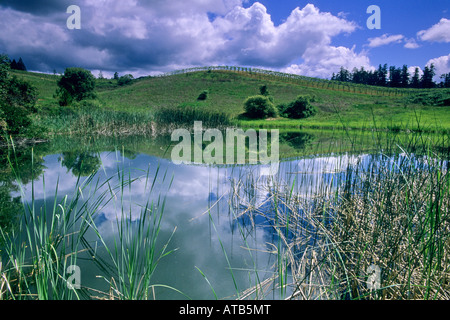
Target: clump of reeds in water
x=393 y=215
x=377 y=230
x=167 y=119
x=51 y=239
x=96 y=121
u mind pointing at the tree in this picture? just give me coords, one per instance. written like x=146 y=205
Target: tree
x=18 y=65
x=81 y=163
x=20 y=92
x=21 y=65
x=427 y=77
x=415 y=81
x=300 y=108
x=259 y=107
x=382 y=75
x=360 y=76
x=395 y=77
x=17 y=100
x=16 y=118
x=404 y=82
x=76 y=84
x=14 y=65
x=126 y=79
x=445 y=80
x=343 y=75
x=4 y=74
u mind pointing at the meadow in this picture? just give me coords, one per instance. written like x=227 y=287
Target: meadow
x=339 y=106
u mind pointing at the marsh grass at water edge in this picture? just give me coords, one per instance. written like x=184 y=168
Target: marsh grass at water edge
x=330 y=219
x=51 y=237
x=389 y=212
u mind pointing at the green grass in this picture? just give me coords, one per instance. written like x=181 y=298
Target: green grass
x=58 y=232
x=391 y=212
x=370 y=116
x=365 y=108
x=89 y=119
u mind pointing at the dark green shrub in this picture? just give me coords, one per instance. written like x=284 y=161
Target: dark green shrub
x=259 y=107
x=16 y=118
x=264 y=91
x=20 y=92
x=203 y=96
x=17 y=101
x=76 y=84
x=124 y=80
x=299 y=109
x=431 y=98
x=64 y=97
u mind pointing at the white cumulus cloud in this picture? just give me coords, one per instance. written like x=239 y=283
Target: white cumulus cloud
x=249 y=35
x=158 y=35
x=323 y=61
x=385 y=39
x=411 y=44
x=440 y=32
x=441 y=64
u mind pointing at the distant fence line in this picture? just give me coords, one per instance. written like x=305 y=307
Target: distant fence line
x=301 y=80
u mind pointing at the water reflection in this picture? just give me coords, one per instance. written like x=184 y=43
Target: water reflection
x=223 y=215
x=197 y=203
x=17 y=166
x=80 y=163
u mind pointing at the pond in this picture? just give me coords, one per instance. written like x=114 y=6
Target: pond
x=217 y=224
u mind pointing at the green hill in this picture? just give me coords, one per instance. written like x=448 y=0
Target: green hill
x=339 y=105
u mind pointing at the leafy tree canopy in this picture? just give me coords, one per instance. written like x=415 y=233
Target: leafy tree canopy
x=76 y=84
x=259 y=107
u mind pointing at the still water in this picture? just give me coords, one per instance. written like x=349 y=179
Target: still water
x=217 y=218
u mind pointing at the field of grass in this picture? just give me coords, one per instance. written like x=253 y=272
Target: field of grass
x=227 y=90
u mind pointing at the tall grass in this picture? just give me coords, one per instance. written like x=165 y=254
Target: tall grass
x=102 y=122
x=96 y=121
x=128 y=265
x=170 y=118
x=38 y=257
x=389 y=213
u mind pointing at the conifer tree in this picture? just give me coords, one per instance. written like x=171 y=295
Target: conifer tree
x=14 y=64
x=415 y=81
x=427 y=77
x=21 y=65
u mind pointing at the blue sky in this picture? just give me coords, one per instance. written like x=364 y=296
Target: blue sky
x=142 y=37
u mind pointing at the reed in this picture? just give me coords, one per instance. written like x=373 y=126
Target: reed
x=129 y=264
x=173 y=117
x=36 y=255
x=52 y=237
x=389 y=212
x=97 y=121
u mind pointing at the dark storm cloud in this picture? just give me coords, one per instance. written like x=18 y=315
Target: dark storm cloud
x=38 y=7
x=147 y=36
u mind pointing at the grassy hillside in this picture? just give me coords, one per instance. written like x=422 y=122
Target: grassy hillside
x=338 y=106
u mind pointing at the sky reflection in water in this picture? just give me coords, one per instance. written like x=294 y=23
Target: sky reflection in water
x=197 y=204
